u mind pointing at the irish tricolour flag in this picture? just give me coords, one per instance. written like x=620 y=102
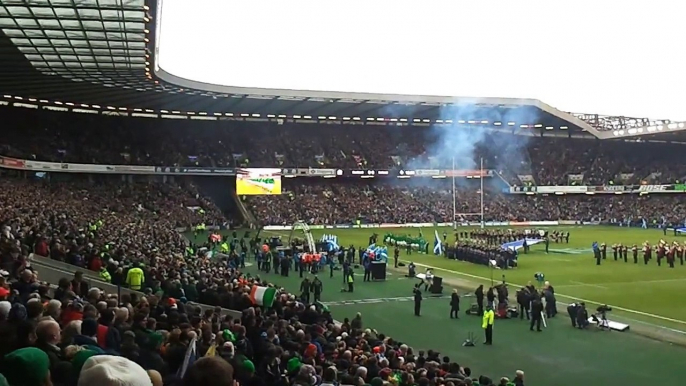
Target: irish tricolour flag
x=263 y=296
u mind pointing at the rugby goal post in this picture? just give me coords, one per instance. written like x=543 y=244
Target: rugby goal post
x=302 y=226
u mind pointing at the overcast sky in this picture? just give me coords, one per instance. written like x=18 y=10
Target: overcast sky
x=593 y=56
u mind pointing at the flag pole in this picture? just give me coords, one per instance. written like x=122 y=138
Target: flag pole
x=482 y=193
x=454 y=198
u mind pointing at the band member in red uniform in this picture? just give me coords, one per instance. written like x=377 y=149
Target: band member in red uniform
x=603 y=250
x=660 y=253
x=670 y=256
x=634 y=252
x=646 y=253
x=680 y=253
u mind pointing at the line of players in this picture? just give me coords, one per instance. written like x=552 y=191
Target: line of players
x=663 y=251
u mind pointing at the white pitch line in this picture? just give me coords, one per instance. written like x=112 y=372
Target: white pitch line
x=357 y=302
x=575 y=298
x=581 y=284
x=647 y=281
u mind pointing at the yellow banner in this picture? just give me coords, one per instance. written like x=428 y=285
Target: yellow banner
x=250 y=182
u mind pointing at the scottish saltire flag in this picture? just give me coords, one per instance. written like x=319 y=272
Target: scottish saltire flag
x=190 y=358
x=438 y=247
x=515 y=245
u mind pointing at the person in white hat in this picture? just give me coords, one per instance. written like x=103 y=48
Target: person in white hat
x=109 y=370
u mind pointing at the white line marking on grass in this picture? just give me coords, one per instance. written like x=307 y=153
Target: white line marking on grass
x=575 y=298
x=648 y=281
x=610 y=284
x=377 y=300
x=578 y=283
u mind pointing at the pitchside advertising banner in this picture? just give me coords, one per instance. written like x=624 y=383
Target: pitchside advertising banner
x=61 y=167
x=252 y=182
x=440 y=224
x=609 y=189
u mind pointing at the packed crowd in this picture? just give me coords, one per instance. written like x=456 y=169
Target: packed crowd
x=82 y=336
x=47 y=136
x=97 y=222
x=76 y=335
x=346 y=202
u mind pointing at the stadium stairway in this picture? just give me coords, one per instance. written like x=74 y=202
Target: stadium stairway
x=502 y=178
x=51 y=271
x=222 y=191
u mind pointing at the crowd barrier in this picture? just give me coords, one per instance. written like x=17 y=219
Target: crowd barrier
x=51 y=271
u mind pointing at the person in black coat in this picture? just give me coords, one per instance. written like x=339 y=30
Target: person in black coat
x=581 y=316
x=454 y=305
x=78 y=285
x=417 y=300
x=479 y=293
x=490 y=296
x=524 y=301
x=573 y=310
x=536 y=314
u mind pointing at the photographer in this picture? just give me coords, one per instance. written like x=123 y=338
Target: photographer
x=550 y=303
x=573 y=310
x=524 y=300
x=581 y=316
x=601 y=316
x=536 y=314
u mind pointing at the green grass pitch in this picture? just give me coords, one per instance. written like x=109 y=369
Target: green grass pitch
x=649 y=298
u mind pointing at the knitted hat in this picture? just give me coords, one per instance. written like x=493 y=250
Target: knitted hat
x=26 y=367
x=228 y=336
x=385 y=373
x=17 y=312
x=293 y=365
x=248 y=366
x=109 y=370
x=311 y=350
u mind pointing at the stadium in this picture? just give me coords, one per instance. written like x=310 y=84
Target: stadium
x=223 y=192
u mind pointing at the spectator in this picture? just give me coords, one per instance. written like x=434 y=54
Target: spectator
x=27 y=367
x=48 y=336
x=209 y=371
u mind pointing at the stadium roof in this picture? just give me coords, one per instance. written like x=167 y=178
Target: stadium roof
x=96 y=55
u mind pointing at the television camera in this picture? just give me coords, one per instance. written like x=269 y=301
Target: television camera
x=600 y=316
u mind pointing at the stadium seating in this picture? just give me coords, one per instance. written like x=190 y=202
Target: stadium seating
x=48 y=136
x=346 y=202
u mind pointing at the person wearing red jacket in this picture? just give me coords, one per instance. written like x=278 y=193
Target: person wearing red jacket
x=74 y=311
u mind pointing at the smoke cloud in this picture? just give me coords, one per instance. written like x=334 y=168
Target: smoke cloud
x=500 y=146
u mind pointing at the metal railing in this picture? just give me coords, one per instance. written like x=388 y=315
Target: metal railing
x=52 y=271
